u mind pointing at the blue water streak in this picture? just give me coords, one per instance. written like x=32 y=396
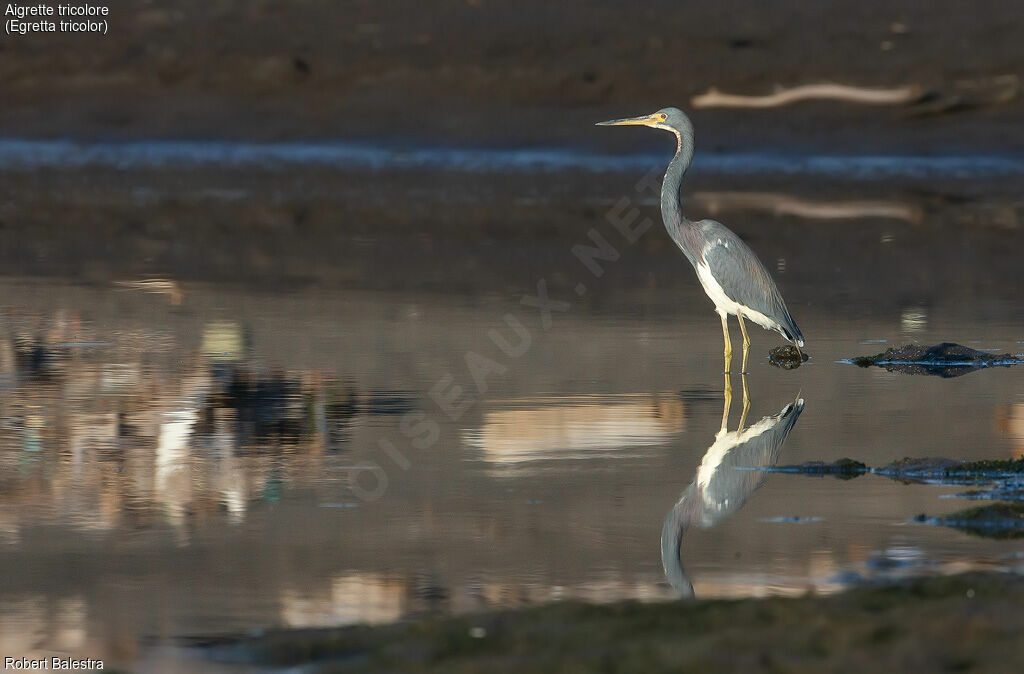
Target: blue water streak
x=28 y=154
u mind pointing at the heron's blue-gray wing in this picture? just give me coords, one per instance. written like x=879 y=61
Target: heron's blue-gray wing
x=743 y=277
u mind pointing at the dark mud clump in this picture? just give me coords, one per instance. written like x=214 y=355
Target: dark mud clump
x=844 y=469
x=787 y=357
x=999 y=520
x=943 y=360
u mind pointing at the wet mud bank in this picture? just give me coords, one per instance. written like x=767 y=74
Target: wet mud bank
x=929 y=469
x=942 y=360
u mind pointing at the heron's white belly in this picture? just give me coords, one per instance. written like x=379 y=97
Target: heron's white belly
x=725 y=305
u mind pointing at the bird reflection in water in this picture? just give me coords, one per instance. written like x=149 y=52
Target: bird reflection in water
x=723 y=482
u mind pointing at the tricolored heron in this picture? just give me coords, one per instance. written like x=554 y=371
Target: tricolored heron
x=730 y=272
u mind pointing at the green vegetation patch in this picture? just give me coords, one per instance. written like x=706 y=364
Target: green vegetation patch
x=951 y=468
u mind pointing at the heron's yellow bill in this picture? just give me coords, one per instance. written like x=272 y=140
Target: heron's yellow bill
x=643 y=120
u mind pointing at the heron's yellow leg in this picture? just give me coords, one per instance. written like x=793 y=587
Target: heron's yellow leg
x=728 y=342
x=727 y=396
x=746 y=342
x=746 y=402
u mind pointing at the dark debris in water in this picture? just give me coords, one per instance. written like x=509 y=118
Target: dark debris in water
x=943 y=360
x=787 y=357
x=844 y=469
x=999 y=520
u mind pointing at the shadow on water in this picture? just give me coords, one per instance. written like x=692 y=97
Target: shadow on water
x=725 y=479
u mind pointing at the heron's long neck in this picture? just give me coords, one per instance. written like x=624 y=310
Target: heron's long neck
x=675 y=222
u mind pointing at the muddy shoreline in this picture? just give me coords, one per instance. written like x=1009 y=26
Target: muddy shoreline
x=350 y=230
x=483 y=73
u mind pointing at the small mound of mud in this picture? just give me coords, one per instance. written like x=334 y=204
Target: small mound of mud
x=943 y=360
x=999 y=520
x=787 y=357
x=844 y=469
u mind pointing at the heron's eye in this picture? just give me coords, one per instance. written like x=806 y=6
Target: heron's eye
x=663 y=117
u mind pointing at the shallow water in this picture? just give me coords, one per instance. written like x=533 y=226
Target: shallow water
x=271 y=435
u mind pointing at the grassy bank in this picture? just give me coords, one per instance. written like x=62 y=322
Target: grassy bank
x=964 y=623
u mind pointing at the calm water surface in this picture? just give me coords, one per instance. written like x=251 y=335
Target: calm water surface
x=309 y=419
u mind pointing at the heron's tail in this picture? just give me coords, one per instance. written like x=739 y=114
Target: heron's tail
x=792 y=333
